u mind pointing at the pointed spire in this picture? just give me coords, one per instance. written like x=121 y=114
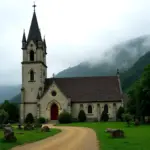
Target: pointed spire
x=44 y=41
x=24 y=37
x=118 y=72
x=34 y=32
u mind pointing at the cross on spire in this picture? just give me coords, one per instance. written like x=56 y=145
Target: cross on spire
x=34 y=6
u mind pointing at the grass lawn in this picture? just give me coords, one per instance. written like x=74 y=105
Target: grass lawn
x=28 y=136
x=137 y=138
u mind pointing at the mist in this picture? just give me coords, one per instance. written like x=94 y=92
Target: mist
x=76 y=31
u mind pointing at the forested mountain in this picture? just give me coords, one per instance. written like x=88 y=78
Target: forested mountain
x=121 y=56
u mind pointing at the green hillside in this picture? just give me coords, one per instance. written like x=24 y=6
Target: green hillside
x=131 y=75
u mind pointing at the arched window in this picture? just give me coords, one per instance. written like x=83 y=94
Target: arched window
x=31 y=55
x=81 y=106
x=31 y=75
x=114 y=104
x=106 y=108
x=89 y=109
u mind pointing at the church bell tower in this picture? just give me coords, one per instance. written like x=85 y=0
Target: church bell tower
x=34 y=69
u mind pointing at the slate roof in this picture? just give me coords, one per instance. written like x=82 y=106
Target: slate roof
x=88 y=89
x=34 y=32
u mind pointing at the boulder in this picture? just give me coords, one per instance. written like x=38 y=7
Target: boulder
x=9 y=134
x=45 y=129
x=117 y=133
x=28 y=127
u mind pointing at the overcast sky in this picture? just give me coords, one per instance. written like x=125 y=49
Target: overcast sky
x=75 y=30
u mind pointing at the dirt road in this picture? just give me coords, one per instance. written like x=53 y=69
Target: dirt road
x=71 y=138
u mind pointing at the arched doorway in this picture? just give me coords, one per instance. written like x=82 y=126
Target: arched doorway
x=54 y=112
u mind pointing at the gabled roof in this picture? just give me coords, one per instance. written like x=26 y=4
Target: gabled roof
x=34 y=32
x=88 y=89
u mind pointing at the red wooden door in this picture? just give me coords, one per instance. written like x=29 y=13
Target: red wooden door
x=54 y=112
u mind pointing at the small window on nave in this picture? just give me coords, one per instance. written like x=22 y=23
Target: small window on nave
x=89 y=109
x=81 y=106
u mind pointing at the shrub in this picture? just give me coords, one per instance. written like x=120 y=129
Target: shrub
x=82 y=116
x=137 y=122
x=104 y=116
x=119 y=113
x=29 y=118
x=128 y=118
x=64 y=117
x=41 y=120
x=74 y=120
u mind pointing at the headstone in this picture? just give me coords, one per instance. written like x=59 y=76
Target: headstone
x=9 y=134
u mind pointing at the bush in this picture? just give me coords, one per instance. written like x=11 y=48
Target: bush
x=137 y=122
x=41 y=120
x=119 y=113
x=82 y=116
x=64 y=117
x=74 y=120
x=128 y=118
x=29 y=118
x=104 y=116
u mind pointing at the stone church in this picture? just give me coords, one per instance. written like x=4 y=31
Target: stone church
x=48 y=97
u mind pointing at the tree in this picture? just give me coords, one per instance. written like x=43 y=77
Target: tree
x=140 y=95
x=145 y=92
x=82 y=116
x=104 y=116
x=64 y=117
x=29 y=118
x=3 y=116
x=11 y=109
x=119 y=113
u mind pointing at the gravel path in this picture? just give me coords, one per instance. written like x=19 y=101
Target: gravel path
x=71 y=138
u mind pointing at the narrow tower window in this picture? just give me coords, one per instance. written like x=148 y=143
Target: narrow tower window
x=31 y=75
x=89 y=109
x=31 y=55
